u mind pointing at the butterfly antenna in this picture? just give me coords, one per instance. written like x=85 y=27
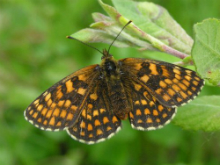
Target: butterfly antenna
x=85 y=44
x=118 y=35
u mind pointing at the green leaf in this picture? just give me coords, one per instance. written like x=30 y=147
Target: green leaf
x=201 y=114
x=98 y=17
x=157 y=42
x=155 y=21
x=148 y=31
x=206 y=50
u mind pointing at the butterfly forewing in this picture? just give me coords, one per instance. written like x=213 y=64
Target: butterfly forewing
x=97 y=121
x=170 y=84
x=59 y=106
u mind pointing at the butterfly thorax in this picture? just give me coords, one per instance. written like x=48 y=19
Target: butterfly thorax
x=111 y=74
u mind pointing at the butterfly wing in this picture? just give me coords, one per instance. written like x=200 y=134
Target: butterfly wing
x=147 y=113
x=170 y=84
x=59 y=106
x=97 y=121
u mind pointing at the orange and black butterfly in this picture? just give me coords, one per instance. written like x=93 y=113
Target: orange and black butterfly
x=91 y=102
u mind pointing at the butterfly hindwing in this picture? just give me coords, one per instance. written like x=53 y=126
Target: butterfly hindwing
x=59 y=106
x=97 y=121
x=147 y=113
x=171 y=85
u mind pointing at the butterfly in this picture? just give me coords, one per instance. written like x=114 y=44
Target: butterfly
x=91 y=102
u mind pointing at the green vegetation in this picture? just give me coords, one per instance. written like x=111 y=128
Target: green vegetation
x=34 y=54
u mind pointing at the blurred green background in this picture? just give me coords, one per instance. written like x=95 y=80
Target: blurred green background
x=34 y=54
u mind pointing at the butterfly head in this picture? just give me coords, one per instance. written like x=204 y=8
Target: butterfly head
x=109 y=64
x=106 y=55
